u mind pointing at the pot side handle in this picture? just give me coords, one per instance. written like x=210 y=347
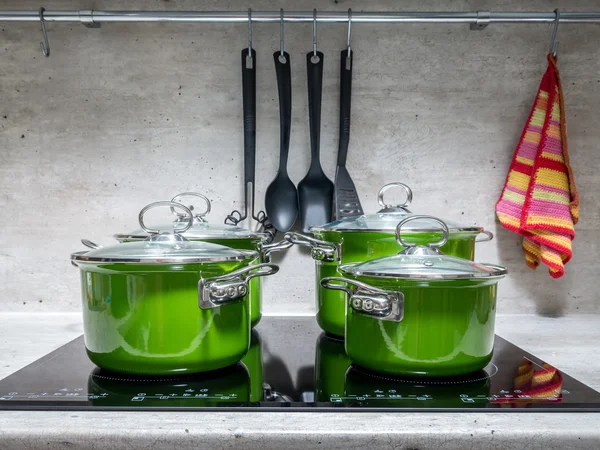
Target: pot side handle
x=488 y=236
x=266 y=249
x=368 y=300
x=320 y=250
x=231 y=287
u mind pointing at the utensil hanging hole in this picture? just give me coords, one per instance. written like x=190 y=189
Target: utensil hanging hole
x=315 y=59
x=249 y=62
x=282 y=59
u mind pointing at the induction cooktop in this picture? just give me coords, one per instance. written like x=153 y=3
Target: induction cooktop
x=293 y=366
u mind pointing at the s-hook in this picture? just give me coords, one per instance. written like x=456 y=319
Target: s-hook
x=249 y=63
x=553 y=42
x=348 y=58
x=45 y=48
x=349 y=25
x=314 y=33
x=281 y=34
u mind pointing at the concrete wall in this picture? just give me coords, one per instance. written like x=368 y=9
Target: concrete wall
x=127 y=114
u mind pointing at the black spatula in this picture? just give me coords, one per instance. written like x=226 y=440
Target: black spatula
x=347 y=202
x=315 y=191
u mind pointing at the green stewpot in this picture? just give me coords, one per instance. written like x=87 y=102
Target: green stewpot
x=167 y=305
x=419 y=312
x=362 y=238
x=228 y=235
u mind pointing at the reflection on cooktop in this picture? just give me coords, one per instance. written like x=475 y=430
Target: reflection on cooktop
x=293 y=366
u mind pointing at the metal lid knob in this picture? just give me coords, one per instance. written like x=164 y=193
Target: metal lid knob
x=389 y=206
x=152 y=232
x=432 y=247
x=196 y=215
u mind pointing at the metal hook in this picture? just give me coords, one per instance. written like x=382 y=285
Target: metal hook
x=249 y=32
x=553 y=42
x=281 y=33
x=315 y=32
x=46 y=48
x=349 y=25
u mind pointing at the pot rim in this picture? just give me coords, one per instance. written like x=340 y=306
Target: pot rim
x=244 y=255
x=498 y=272
x=320 y=229
x=139 y=237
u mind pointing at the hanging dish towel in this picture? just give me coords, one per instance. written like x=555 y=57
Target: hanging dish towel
x=539 y=200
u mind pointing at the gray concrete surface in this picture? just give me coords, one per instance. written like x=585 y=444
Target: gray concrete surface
x=127 y=114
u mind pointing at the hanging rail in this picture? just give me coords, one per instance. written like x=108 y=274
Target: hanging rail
x=90 y=17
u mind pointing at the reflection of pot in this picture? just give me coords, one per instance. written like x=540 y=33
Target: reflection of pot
x=369 y=389
x=331 y=364
x=182 y=306
x=419 y=312
x=253 y=362
x=222 y=234
x=228 y=385
x=362 y=238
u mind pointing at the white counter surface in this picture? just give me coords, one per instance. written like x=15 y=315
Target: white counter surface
x=570 y=343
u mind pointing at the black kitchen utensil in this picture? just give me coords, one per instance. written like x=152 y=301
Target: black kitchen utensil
x=315 y=191
x=249 y=105
x=281 y=199
x=347 y=202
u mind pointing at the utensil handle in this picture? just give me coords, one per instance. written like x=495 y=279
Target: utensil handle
x=284 y=86
x=249 y=100
x=345 y=105
x=314 y=71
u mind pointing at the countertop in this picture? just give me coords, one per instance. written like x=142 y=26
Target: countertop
x=568 y=342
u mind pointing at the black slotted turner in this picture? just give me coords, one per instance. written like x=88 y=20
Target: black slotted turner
x=347 y=202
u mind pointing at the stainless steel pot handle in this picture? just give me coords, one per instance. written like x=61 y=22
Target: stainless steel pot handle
x=231 y=287
x=266 y=249
x=199 y=216
x=444 y=227
x=369 y=300
x=320 y=250
x=172 y=205
x=388 y=186
x=488 y=236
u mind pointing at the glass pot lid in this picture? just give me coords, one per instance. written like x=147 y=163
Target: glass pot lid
x=387 y=218
x=425 y=262
x=164 y=248
x=200 y=229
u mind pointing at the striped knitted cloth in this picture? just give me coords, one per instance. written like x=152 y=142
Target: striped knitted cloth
x=539 y=200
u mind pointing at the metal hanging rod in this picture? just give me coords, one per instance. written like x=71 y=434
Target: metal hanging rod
x=481 y=18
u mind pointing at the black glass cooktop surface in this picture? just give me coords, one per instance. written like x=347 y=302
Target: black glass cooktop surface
x=293 y=366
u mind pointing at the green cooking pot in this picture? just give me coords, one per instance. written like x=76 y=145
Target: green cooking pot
x=419 y=312
x=211 y=389
x=361 y=238
x=167 y=305
x=331 y=364
x=228 y=235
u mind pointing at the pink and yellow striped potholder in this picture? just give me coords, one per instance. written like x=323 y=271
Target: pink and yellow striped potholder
x=539 y=200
